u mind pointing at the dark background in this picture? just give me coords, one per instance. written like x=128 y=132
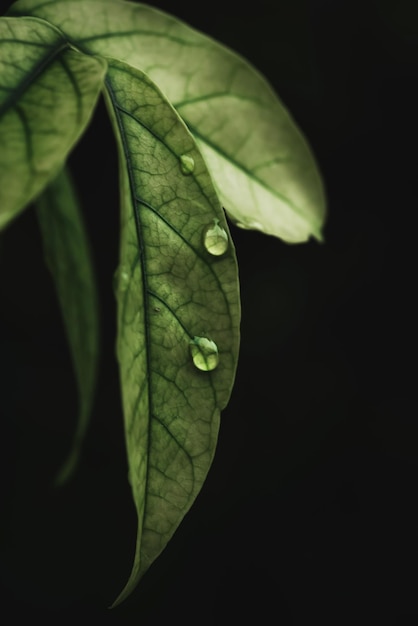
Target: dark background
x=308 y=513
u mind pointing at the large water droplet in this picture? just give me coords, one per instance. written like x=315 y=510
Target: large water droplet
x=215 y=239
x=204 y=353
x=186 y=164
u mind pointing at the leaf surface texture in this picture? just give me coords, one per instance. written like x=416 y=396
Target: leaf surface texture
x=263 y=168
x=170 y=290
x=47 y=95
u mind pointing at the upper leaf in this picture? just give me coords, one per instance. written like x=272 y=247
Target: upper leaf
x=263 y=168
x=178 y=309
x=67 y=253
x=47 y=95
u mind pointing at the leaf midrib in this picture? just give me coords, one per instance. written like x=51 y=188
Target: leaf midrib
x=136 y=199
x=249 y=173
x=31 y=76
x=144 y=282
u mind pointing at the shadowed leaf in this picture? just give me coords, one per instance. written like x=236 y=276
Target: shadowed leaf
x=68 y=257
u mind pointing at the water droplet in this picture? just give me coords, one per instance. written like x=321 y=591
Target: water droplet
x=204 y=353
x=215 y=239
x=186 y=164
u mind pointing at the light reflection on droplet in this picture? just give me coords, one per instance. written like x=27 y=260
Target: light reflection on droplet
x=204 y=353
x=186 y=164
x=215 y=239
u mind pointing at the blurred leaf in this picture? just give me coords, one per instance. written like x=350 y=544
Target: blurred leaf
x=67 y=253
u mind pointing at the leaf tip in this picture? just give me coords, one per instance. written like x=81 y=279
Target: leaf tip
x=123 y=595
x=319 y=237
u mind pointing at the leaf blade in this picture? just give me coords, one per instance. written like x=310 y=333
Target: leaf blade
x=43 y=82
x=68 y=258
x=262 y=165
x=171 y=409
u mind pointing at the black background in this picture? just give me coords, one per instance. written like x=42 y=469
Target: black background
x=308 y=512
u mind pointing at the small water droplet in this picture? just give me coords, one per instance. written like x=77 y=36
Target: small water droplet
x=186 y=164
x=204 y=353
x=215 y=239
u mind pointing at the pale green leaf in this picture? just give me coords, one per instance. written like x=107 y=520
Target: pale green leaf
x=174 y=298
x=262 y=166
x=47 y=95
x=68 y=257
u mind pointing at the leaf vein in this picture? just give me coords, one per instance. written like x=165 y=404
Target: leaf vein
x=248 y=172
x=176 y=441
x=31 y=76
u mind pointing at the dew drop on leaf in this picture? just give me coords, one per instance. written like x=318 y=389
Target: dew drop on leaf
x=186 y=164
x=204 y=353
x=215 y=239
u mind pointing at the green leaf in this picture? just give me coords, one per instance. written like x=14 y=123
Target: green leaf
x=47 y=95
x=172 y=295
x=68 y=257
x=263 y=168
